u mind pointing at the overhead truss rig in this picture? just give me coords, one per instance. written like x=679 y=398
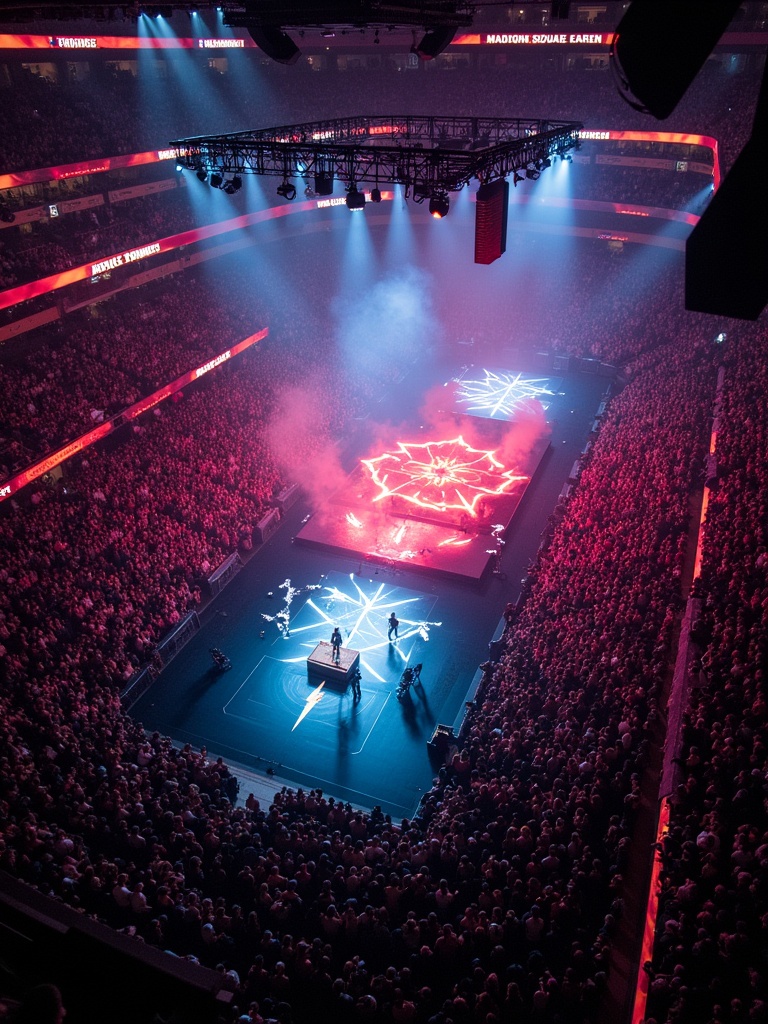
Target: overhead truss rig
x=426 y=155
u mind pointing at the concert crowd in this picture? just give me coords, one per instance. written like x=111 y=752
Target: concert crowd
x=501 y=899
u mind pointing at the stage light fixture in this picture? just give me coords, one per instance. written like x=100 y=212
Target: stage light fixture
x=287 y=190
x=376 y=195
x=355 y=199
x=179 y=167
x=217 y=180
x=233 y=185
x=546 y=163
x=439 y=205
x=533 y=174
x=202 y=174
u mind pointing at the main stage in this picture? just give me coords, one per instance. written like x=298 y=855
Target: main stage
x=457 y=541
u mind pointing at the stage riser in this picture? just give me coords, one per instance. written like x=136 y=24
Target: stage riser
x=322 y=668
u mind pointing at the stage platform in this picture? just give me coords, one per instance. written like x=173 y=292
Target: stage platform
x=322 y=667
x=396 y=532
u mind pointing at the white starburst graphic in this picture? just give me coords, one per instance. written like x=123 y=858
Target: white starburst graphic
x=501 y=395
x=361 y=612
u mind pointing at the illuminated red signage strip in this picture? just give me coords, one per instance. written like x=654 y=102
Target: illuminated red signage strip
x=34 y=472
x=109 y=163
x=107 y=264
x=63 y=42
x=680 y=138
x=71 y=42
x=601 y=206
x=523 y=38
x=22 y=479
x=534 y=39
x=23 y=292
x=96 y=166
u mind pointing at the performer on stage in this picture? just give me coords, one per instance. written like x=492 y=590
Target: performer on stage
x=336 y=644
x=356 y=691
x=392 y=623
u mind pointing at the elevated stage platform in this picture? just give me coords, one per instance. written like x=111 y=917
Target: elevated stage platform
x=453 y=544
x=321 y=666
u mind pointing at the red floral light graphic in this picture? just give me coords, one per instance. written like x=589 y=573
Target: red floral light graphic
x=440 y=475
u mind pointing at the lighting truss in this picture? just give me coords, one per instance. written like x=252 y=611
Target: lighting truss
x=426 y=155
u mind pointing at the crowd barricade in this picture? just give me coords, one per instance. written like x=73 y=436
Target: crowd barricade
x=171 y=644
x=137 y=686
x=463 y=719
x=220 y=577
x=266 y=526
x=287 y=498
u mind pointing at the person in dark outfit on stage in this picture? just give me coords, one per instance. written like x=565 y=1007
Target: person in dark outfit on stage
x=356 y=691
x=336 y=644
x=392 y=623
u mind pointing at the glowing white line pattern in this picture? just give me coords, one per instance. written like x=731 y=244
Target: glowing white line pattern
x=440 y=475
x=500 y=395
x=314 y=698
x=363 y=619
x=283 y=617
x=456 y=542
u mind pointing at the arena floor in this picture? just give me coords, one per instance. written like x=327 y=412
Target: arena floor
x=266 y=715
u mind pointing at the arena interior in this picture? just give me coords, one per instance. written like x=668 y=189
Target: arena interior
x=241 y=412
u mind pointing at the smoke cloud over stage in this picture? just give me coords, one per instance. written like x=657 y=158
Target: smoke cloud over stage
x=298 y=437
x=382 y=326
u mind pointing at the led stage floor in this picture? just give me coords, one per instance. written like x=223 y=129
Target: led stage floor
x=422 y=539
x=431 y=498
x=373 y=751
